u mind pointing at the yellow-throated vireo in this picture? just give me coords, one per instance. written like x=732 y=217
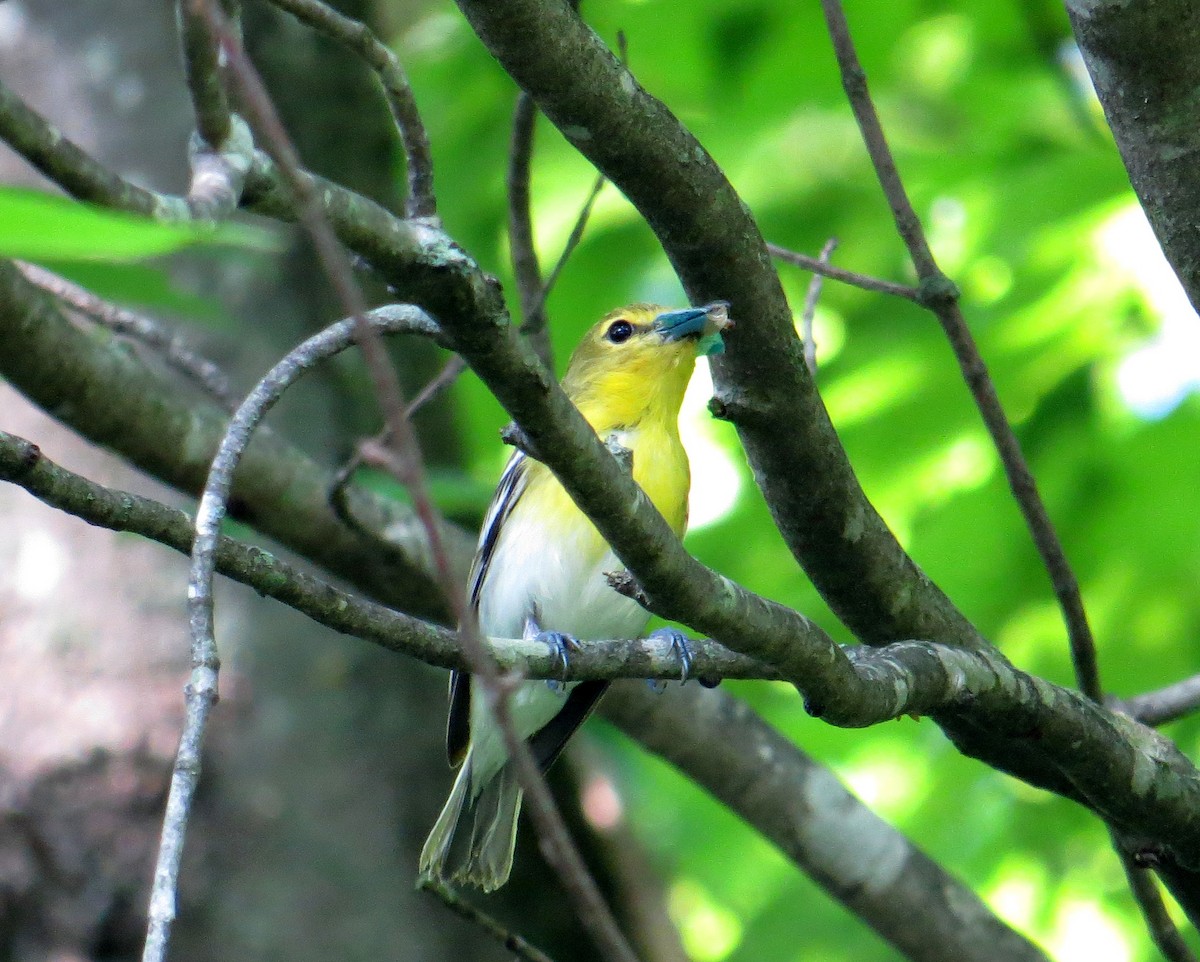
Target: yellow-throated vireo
x=540 y=569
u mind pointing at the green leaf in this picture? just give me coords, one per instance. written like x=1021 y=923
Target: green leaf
x=37 y=226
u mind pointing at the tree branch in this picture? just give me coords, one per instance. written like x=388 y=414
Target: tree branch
x=145 y=330
x=801 y=807
x=22 y=463
x=823 y=268
x=201 y=69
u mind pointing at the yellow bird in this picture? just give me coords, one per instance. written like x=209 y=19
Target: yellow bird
x=539 y=572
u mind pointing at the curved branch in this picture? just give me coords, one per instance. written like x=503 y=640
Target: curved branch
x=359 y=38
x=23 y=463
x=940 y=296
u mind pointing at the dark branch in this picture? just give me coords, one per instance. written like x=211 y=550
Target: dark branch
x=1143 y=64
x=522 y=248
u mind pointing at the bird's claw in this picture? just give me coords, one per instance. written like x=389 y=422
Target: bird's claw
x=681 y=647
x=563 y=645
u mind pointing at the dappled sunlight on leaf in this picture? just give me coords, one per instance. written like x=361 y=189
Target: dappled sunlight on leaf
x=709 y=931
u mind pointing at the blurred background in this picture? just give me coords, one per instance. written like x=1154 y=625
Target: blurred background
x=326 y=766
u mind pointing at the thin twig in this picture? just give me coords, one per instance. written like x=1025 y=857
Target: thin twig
x=339 y=489
x=449 y=373
x=575 y=237
x=202 y=71
x=1167 y=704
x=170 y=346
x=459 y=906
x=811 y=296
x=532 y=293
x=863 y=281
x=940 y=295
x=359 y=38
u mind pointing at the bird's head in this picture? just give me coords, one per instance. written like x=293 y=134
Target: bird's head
x=637 y=361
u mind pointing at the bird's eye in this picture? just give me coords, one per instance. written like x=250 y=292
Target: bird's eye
x=619 y=331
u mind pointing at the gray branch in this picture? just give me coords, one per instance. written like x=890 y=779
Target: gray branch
x=802 y=808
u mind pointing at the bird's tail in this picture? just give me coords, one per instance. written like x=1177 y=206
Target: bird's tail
x=473 y=839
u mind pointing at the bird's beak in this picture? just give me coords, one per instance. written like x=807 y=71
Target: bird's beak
x=675 y=325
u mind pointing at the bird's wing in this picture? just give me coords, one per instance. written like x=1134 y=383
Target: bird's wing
x=548 y=741
x=508 y=491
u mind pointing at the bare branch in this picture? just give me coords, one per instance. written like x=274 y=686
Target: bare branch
x=202 y=690
x=825 y=269
x=22 y=463
x=217 y=173
x=1159 y=924
x=359 y=38
x=574 y=238
x=77 y=172
x=522 y=249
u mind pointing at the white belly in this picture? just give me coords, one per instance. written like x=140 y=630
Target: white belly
x=559 y=580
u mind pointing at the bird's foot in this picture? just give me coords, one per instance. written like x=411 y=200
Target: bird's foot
x=681 y=647
x=563 y=645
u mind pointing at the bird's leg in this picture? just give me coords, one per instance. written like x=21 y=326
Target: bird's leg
x=682 y=649
x=562 y=644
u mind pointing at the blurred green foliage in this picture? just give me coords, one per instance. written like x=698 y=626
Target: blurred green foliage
x=1009 y=164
